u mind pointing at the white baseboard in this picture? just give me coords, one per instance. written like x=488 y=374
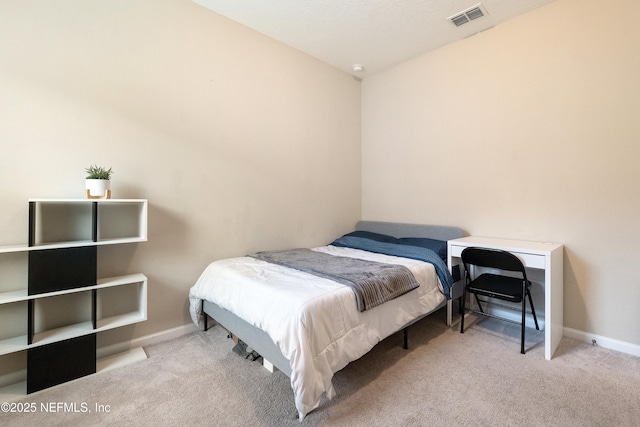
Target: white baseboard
x=610 y=343
x=146 y=340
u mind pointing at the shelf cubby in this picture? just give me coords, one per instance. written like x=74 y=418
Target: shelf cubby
x=79 y=222
x=62 y=317
x=122 y=221
x=121 y=301
x=13 y=334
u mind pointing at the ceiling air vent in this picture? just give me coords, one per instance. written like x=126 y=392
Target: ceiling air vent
x=468 y=15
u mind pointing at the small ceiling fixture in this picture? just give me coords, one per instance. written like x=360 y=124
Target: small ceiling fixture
x=468 y=15
x=358 y=68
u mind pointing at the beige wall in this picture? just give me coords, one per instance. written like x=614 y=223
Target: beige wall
x=238 y=142
x=529 y=131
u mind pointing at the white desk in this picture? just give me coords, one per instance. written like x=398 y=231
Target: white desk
x=534 y=255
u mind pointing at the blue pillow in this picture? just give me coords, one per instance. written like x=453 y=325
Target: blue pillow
x=438 y=246
x=372 y=236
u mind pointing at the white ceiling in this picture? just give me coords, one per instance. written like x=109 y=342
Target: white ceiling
x=375 y=33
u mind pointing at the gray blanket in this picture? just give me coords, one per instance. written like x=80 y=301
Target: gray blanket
x=372 y=282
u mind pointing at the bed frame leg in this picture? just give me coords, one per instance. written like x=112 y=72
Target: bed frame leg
x=206 y=318
x=406 y=338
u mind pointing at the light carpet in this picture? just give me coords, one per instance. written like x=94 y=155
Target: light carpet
x=478 y=378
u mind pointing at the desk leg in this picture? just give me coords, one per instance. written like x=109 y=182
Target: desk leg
x=450 y=321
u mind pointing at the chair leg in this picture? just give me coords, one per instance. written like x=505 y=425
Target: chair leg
x=533 y=310
x=462 y=303
x=478 y=302
x=523 y=327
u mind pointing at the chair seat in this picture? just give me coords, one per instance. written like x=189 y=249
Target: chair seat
x=497 y=286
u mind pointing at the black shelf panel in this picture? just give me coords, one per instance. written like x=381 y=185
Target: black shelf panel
x=53 y=270
x=63 y=361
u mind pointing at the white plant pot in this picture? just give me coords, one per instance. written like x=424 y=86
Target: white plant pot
x=98 y=187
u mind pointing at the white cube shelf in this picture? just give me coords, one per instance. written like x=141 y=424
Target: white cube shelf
x=32 y=318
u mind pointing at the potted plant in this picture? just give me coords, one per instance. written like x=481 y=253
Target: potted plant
x=98 y=182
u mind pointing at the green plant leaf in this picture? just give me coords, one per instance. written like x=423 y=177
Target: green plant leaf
x=95 y=172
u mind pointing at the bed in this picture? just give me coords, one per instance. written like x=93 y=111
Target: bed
x=311 y=326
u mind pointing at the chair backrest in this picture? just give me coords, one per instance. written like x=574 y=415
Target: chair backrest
x=492 y=258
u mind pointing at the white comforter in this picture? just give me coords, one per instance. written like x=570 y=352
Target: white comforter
x=314 y=321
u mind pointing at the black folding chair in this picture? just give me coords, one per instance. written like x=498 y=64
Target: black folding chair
x=507 y=288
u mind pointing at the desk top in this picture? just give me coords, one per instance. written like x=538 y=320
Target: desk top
x=541 y=248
